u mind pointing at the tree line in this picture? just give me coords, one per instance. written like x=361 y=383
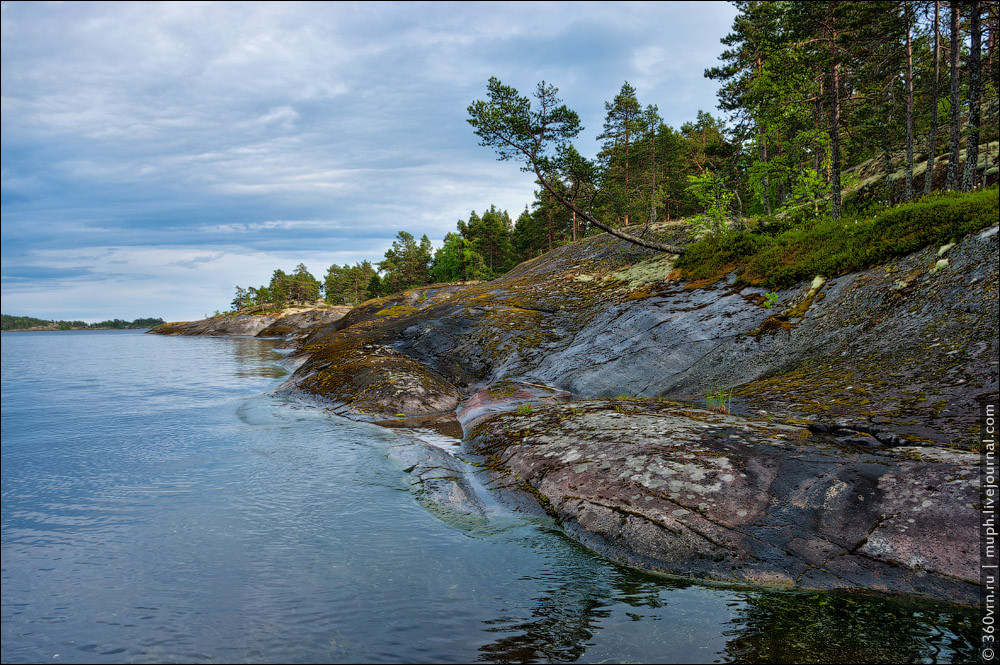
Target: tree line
x=816 y=88
x=299 y=287
x=482 y=247
x=25 y=322
x=817 y=97
x=822 y=99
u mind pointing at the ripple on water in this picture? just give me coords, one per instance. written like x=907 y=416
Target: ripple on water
x=159 y=506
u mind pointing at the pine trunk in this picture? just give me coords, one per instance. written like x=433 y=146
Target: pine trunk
x=909 y=105
x=972 y=145
x=956 y=111
x=834 y=128
x=767 y=180
x=929 y=175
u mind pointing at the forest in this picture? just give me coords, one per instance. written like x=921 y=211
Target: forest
x=26 y=322
x=827 y=111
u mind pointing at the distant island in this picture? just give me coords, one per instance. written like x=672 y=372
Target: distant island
x=29 y=323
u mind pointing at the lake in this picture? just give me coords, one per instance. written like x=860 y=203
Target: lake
x=158 y=505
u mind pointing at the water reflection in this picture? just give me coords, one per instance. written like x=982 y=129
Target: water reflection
x=562 y=623
x=579 y=597
x=256 y=357
x=592 y=615
x=834 y=628
x=170 y=513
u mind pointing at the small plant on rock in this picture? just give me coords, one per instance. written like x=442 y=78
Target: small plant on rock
x=718 y=400
x=525 y=409
x=770 y=300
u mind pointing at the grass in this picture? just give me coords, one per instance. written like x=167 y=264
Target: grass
x=779 y=254
x=525 y=409
x=718 y=400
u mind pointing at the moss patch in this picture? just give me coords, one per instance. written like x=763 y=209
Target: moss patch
x=827 y=247
x=397 y=311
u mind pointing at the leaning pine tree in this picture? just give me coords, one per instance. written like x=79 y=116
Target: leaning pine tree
x=539 y=138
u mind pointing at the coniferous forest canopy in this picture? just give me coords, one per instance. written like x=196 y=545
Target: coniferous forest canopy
x=825 y=111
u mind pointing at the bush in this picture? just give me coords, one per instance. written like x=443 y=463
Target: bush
x=715 y=255
x=772 y=226
x=780 y=258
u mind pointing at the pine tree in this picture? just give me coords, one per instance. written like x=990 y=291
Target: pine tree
x=975 y=93
x=929 y=175
x=955 y=137
x=622 y=126
x=406 y=263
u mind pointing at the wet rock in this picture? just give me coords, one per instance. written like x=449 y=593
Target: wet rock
x=372 y=386
x=436 y=477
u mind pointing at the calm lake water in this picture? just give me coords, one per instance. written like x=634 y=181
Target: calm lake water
x=159 y=506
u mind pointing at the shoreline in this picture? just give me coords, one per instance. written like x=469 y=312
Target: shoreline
x=66 y=330
x=584 y=382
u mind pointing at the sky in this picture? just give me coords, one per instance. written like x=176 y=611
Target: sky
x=155 y=155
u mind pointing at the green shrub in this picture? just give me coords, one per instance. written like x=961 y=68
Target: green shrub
x=720 y=253
x=781 y=258
x=772 y=226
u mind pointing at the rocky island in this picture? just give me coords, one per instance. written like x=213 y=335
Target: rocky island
x=840 y=456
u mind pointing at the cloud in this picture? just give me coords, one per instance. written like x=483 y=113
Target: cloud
x=256 y=132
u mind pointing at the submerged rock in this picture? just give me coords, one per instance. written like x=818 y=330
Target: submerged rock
x=436 y=477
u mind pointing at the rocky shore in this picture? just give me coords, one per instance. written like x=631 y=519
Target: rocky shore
x=844 y=458
x=285 y=323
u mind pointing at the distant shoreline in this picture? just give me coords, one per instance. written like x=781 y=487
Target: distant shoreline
x=12 y=323
x=20 y=330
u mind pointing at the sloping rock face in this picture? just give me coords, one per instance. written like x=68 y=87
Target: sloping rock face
x=465 y=336
x=290 y=325
x=246 y=325
x=904 y=348
x=830 y=475
x=684 y=491
x=907 y=347
x=286 y=323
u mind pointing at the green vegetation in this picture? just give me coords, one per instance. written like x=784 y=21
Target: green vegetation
x=718 y=400
x=827 y=102
x=483 y=248
x=27 y=322
x=778 y=256
x=298 y=288
x=832 y=113
x=397 y=310
x=351 y=285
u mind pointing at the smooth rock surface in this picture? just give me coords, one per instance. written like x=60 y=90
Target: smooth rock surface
x=689 y=492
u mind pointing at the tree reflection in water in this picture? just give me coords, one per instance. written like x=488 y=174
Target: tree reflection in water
x=565 y=618
x=731 y=625
x=256 y=357
x=777 y=627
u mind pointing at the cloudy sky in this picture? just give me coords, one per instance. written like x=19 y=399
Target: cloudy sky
x=156 y=155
